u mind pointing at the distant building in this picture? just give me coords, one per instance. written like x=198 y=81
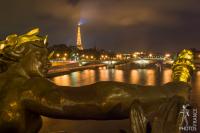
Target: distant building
x=79 y=42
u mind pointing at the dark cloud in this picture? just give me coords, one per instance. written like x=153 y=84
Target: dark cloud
x=73 y=2
x=111 y=24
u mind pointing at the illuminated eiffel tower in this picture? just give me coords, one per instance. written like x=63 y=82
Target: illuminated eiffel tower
x=79 y=42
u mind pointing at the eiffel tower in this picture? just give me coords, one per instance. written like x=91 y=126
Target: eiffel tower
x=79 y=42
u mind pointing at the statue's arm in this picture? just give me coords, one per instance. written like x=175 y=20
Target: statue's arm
x=95 y=101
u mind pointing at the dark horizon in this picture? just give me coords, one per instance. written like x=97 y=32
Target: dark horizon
x=117 y=25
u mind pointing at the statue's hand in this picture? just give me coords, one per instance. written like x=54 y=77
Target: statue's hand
x=137 y=117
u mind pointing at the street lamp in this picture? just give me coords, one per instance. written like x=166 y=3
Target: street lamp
x=58 y=55
x=134 y=55
x=167 y=55
x=119 y=56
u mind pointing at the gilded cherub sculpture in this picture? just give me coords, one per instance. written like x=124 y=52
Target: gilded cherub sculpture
x=25 y=93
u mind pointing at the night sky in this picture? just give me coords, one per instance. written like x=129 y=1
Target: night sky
x=120 y=25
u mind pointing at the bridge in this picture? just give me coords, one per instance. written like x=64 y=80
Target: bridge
x=61 y=67
x=112 y=62
x=139 y=61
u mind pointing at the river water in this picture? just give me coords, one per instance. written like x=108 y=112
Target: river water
x=121 y=74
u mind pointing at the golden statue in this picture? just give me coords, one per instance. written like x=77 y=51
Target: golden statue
x=25 y=94
x=183 y=66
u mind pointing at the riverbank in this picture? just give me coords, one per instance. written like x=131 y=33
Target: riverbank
x=61 y=70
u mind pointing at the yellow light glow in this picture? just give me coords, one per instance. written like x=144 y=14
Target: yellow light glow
x=137 y=53
x=64 y=58
x=65 y=54
x=134 y=55
x=119 y=56
x=2 y=46
x=183 y=66
x=58 y=55
x=167 y=55
x=150 y=55
x=92 y=57
x=87 y=57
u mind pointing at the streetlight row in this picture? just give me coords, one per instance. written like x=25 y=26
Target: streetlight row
x=104 y=56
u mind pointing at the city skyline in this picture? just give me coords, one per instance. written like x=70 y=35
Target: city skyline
x=159 y=26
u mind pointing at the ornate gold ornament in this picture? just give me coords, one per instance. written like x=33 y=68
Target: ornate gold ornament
x=183 y=66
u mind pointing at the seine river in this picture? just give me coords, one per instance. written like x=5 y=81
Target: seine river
x=121 y=74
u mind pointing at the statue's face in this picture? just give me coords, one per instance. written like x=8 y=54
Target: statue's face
x=35 y=63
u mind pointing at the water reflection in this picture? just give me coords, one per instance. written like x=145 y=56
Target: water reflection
x=197 y=79
x=118 y=75
x=103 y=75
x=134 y=77
x=76 y=78
x=64 y=80
x=196 y=89
x=87 y=77
x=167 y=76
x=150 y=77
